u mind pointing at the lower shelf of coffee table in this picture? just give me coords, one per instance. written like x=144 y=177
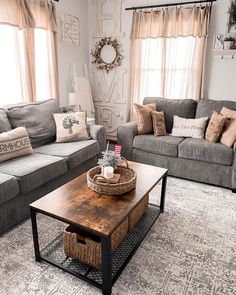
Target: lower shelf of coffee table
x=54 y=252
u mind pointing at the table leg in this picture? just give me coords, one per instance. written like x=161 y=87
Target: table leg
x=106 y=265
x=163 y=192
x=35 y=234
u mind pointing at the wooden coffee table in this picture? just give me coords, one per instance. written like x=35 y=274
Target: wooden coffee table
x=74 y=203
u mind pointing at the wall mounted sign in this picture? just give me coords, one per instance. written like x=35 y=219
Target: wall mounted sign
x=71 y=30
x=107 y=54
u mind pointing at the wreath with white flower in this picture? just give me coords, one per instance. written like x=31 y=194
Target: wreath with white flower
x=96 y=54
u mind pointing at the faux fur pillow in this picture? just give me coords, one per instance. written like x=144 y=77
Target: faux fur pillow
x=144 y=119
x=14 y=143
x=71 y=126
x=194 y=128
x=229 y=133
x=158 y=122
x=215 y=127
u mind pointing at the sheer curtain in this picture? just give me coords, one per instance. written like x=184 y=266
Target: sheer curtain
x=168 y=53
x=28 y=54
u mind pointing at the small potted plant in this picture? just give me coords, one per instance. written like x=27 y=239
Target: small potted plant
x=229 y=43
x=108 y=163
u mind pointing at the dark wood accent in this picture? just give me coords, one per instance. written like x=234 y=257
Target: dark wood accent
x=76 y=204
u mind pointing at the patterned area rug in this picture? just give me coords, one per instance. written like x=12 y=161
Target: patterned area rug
x=190 y=250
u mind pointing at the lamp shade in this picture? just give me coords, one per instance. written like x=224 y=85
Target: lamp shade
x=72 y=99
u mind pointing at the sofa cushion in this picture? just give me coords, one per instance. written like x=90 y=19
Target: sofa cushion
x=162 y=145
x=38 y=119
x=205 y=107
x=34 y=170
x=184 y=108
x=9 y=187
x=4 y=122
x=205 y=151
x=74 y=152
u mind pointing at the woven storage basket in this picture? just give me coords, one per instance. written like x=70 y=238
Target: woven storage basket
x=138 y=212
x=87 y=249
x=126 y=183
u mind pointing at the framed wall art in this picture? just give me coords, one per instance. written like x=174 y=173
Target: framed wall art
x=232 y=17
x=71 y=30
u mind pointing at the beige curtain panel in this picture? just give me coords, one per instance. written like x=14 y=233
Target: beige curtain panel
x=168 y=49
x=174 y=22
x=28 y=16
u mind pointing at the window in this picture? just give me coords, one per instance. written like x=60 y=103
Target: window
x=166 y=66
x=28 y=66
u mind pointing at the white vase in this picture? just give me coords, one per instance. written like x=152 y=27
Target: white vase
x=228 y=45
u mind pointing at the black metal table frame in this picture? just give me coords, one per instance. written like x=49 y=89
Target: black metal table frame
x=106 y=254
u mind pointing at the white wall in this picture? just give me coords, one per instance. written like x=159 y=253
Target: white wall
x=68 y=54
x=220 y=73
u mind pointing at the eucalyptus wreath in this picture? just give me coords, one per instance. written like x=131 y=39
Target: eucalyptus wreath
x=96 y=54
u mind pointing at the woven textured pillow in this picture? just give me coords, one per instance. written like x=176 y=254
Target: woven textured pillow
x=144 y=119
x=71 y=126
x=229 y=133
x=215 y=127
x=194 y=128
x=14 y=143
x=158 y=122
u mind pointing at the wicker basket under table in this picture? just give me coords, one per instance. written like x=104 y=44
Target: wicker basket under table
x=87 y=249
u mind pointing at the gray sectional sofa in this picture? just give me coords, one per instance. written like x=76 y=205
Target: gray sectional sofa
x=194 y=159
x=27 y=178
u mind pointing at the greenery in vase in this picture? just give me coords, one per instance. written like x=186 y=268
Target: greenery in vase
x=109 y=158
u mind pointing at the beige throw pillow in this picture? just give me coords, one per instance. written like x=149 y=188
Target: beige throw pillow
x=71 y=126
x=144 y=119
x=215 y=127
x=158 y=122
x=194 y=128
x=229 y=133
x=14 y=143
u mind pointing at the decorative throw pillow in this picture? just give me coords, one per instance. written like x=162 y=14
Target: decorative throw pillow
x=14 y=143
x=194 y=128
x=158 y=122
x=215 y=127
x=144 y=119
x=71 y=126
x=229 y=133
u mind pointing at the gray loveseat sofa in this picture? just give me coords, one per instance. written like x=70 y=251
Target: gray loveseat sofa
x=27 y=178
x=194 y=159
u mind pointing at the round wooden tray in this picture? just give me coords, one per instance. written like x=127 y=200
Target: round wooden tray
x=126 y=183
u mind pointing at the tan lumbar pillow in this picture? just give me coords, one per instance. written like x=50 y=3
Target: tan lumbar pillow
x=158 y=122
x=14 y=143
x=144 y=119
x=194 y=128
x=229 y=132
x=215 y=127
x=71 y=126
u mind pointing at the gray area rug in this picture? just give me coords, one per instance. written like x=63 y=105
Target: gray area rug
x=190 y=250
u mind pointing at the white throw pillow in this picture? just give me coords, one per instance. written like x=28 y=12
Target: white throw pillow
x=14 y=143
x=71 y=126
x=194 y=128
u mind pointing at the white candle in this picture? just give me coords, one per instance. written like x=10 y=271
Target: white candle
x=108 y=172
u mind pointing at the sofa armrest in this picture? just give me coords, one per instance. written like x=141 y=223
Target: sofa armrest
x=125 y=137
x=98 y=133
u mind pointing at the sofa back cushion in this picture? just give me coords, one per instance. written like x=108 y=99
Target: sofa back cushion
x=37 y=118
x=206 y=107
x=184 y=108
x=4 y=122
